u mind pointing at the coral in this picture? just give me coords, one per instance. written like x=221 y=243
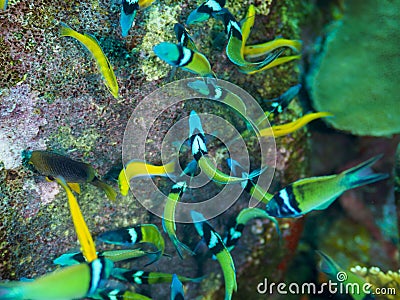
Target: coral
x=353 y=76
x=20 y=124
x=386 y=284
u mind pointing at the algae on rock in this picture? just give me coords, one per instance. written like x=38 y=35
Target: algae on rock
x=355 y=76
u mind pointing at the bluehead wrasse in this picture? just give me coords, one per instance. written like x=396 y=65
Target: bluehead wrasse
x=255 y=51
x=54 y=165
x=168 y=220
x=280 y=103
x=139 y=168
x=73 y=258
x=245 y=215
x=284 y=129
x=116 y=294
x=91 y=43
x=199 y=152
x=143 y=277
x=318 y=193
x=82 y=231
x=177 y=289
x=332 y=269
x=144 y=233
x=3 y=4
x=128 y=13
x=218 y=249
x=183 y=37
x=206 y=10
x=72 y=282
x=185 y=58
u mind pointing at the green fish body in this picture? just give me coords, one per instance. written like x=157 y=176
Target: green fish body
x=317 y=193
x=116 y=294
x=72 y=282
x=53 y=165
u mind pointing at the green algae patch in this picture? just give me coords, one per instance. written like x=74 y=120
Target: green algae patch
x=355 y=76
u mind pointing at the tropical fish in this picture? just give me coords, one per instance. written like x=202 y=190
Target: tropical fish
x=82 y=231
x=255 y=51
x=74 y=258
x=53 y=165
x=206 y=10
x=144 y=233
x=168 y=220
x=199 y=152
x=332 y=269
x=128 y=13
x=138 y=168
x=183 y=37
x=143 y=277
x=176 y=289
x=317 y=193
x=218 y=249
x=91 y=43
x=280 y=103
x=245 y=215
x=285 y=129
x=71 y=282
x=116 y=294
x=3 y=4
x=185 y=58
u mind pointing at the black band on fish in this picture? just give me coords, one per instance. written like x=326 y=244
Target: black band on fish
x=198 y=143
x=97 y=274
x=211 y=6
x=178 y=189
x=287 y=202
x=137 y=276
x=130 y=6
x=185 y=56
x=212 y=239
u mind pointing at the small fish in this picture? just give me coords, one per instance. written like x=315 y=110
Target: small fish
x=280 y=103
x=137 y=168
x=82 y=231
x=245 y=215
x=3 y=4
x=78 y=281
x=91 y=43
x=168 y=220
x=74 y=258
x=199 y=152
x=144 y=233
x=285 y=129
x=128 y=13
x=255 y=51
x=143 y=277
x=53 y=165
x=177 y=289
x=116 y=294
x=332 y=269
x=183 y=37
x=206 y=10
x=317 y=193
x=218 y=249
x=185 y=58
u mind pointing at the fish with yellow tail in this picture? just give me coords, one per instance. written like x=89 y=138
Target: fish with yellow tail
x=218 y=249
x=53 y=165
x=185 y=58
x=333 y=270
x=199 y=152
x=128 y=13
x=318 y=193
x=73 y=282
x=144 y=233
x=168 y=219
x=103 y=64
x=138 y=168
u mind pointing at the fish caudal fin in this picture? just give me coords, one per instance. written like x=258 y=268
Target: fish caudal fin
x=180 y=247
x=363 y=174
x=110 y=192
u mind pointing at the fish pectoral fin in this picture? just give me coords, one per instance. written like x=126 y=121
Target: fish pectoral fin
x=75 y=187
